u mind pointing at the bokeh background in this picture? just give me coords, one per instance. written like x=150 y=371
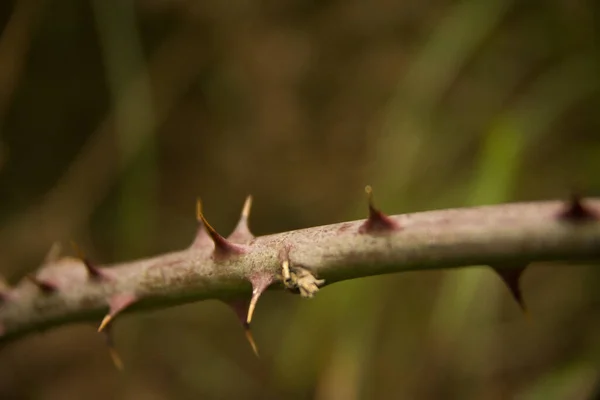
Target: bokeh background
x=116 y=114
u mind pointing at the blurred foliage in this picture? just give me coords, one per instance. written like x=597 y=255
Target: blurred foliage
x=116 y=115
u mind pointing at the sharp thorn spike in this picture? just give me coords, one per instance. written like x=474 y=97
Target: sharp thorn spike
x=241 y=234
x=240 y=307
x=105 y=321
x=247 y=207
x=202 y=239
x=117 y=304
x=511 y=276
x=223 y=247
x=44 y=286
x=260 y=283
x=377 y=222
x=252 y=306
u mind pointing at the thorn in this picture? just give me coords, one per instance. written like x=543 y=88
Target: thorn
x=241 y=234
x=112 y=351
x=240 y=307
x=576 y=211
x=223 y=247
x=44 y=286
x=511 y=277
x=260 y=283
x=53 y=253
x=202 y=238
x=117 y=304
x=93 y=271
x=377 y=221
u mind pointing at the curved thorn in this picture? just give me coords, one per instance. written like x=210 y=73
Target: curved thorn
x=259 y=285
x=223 y=247
x=377 y=222
x=117 y=304
x=202 y=238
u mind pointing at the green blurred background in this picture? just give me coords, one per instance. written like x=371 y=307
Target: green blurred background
x=116 y=114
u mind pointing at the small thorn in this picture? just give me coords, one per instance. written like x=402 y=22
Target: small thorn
x=53 y=253
x=247 y=207
x=44 y=286
x=117 y=304
x=93 y=271
x=112 y=351
x=241 y=234
x=576 y=211
x=202 y=239
x=240 y=307
x=260 y=283
x=377 y=221
x=511 y=277
x=223 y=247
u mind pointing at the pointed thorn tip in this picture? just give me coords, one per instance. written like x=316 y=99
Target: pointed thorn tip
x=377 y=222
x=223 y=247
x=241 y=234
x=117 y=304
x=247 y=207
x=105 y=321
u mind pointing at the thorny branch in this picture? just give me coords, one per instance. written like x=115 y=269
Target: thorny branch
x=238 y=269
